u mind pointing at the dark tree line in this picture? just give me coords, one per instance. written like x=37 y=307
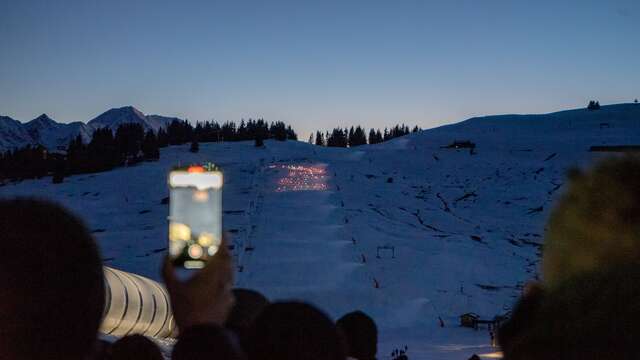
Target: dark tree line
x=128 y=145
x=339 y=137
x=25 y=163
x=211 y=131
x=106 y=150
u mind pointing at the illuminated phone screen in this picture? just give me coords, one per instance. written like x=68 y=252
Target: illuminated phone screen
x=195 y=215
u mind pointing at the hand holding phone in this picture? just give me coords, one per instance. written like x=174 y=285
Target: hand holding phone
x=204 y=298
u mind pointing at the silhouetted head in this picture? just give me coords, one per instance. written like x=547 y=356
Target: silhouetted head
x=248 y=305
x=51 y=282
x=200 y=341
x=361 y=334
x=293 y=331
x=596 y=223
x=587 y=306
x=135 y=347
x=524 y=314
x=591 y=316
x=101 y=350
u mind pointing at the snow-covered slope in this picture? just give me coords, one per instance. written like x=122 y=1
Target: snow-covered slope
x=158 y=121
x=575 y=128
x=13 y=134
x=407 y=231
x=53 y=135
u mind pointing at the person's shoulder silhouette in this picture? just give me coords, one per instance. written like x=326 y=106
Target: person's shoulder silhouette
x=52 y=282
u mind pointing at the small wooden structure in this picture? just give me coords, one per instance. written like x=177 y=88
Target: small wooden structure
x=386 y=249
x=615 y=148
x=466 y=144
x=499 y=319
x=473 y=320
x=469 y=320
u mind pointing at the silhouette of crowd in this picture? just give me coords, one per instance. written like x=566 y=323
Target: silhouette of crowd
x=53 y=296
x=586 y=306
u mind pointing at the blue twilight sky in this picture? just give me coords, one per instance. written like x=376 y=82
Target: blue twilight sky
x=316 y=64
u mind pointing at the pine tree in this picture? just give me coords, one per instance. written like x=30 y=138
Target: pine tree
x=195 y=146
x=228 y=131
x=320 y=139
x=242 y=132
x=128 y=140
x=259 y=143
x=150 y=149
x=358 y=137
x=179 y=132
x=350 y=139
x=291 y=135
x=103 y=152
x=58 y=172
x=338 y=138
x=77 y=157
x=279 y=131
x=162 y=138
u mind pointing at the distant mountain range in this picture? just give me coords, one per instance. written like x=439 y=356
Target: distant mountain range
x=54 y=135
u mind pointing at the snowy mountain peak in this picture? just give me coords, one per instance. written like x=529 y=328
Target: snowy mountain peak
x=4 y=120
x=13 y=134
x=115 y=117
x=45 y=131
x=43 y=117
x=159 y=121
x=42 y=121
x=129 y=114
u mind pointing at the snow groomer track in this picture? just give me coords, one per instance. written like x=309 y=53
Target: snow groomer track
x=135 y=305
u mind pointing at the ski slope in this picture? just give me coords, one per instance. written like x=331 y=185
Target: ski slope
x=455 y=232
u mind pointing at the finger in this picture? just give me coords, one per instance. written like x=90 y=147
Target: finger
x=218 y=270
x=221 y=259
x=216 y=265
x=224 y=264
x=224 y=245
x=169 y=274
x=532 y=288
x=226 y=302
x=230 y=300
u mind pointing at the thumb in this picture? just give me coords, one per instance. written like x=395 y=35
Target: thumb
x=169 y=274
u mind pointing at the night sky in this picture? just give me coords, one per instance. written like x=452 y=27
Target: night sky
x=316 y=64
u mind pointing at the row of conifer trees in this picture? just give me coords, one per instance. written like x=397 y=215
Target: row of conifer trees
x=128 y=145
x=339 y=137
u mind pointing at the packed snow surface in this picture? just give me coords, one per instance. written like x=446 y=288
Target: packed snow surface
x=407 y=231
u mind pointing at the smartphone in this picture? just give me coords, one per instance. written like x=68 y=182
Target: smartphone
x=195 y=214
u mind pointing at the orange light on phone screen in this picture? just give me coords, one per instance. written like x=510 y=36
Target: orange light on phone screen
x=195 y=169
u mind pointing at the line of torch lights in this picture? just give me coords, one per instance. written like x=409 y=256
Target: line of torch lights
x=301 y=178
